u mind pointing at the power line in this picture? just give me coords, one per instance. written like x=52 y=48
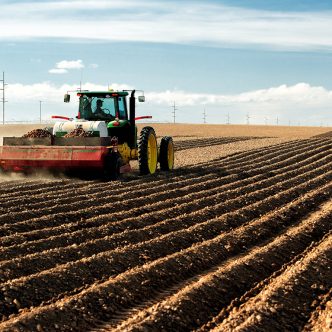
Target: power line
x=3 y=96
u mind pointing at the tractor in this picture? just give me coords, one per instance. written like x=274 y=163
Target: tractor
x=112 y=143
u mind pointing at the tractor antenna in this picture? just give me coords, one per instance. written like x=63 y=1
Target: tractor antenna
x=3 y=97
x=81 y=79
x=40 y=111
x=174 y=111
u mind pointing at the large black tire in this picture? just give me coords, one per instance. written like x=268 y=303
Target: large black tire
x=112 y=165
x=147 y=151
x=166 y=154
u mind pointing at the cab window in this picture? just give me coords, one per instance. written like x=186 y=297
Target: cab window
x=97 y=108
x=122 y=108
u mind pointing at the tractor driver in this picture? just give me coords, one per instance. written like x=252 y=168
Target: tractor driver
x=99 y=111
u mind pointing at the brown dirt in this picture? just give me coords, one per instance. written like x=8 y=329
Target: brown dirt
x=37 y=133
x=236 y=238
x=79 y=132
x=211 y=130
x=321 y=318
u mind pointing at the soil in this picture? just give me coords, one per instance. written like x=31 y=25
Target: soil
x=234 y=240
x=37 y=133
x=79 y=132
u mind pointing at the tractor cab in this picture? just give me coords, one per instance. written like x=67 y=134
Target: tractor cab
x=110 y=107
x=104 y=106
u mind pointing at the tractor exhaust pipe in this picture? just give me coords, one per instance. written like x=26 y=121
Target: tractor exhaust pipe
x=132 y=115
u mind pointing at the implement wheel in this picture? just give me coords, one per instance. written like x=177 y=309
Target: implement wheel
x=166 y=154
x=147 y=151
x=113 y=162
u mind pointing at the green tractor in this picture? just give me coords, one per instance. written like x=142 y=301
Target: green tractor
x=112 y=143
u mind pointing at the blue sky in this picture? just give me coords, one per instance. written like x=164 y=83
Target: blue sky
x=269 y=59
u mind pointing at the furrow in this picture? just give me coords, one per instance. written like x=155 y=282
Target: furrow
x=65 y=185
x=69 y=216
x=285 y=302
x=27 y=186
x=189 y=144
x=321 y=318
x=102 y=301
x=68 y=190
x=36 y=262
x=117 y=261
x=190 y=306
x=86 y=191
x=253 y=156
x=145 y=220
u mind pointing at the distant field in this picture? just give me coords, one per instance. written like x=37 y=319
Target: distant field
x=237 y=238
x=182 y=130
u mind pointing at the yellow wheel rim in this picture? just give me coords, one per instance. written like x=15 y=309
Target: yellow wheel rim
x=170 y=155
x=152 y=154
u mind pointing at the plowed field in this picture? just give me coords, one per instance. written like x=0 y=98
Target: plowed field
x=242 y=242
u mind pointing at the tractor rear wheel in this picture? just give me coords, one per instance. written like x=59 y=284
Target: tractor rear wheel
x=166 y=154
x=147 y=151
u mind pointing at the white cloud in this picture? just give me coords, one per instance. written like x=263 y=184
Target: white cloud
x=300 y=102
x=63 y=66
x=301 y=93
x=47 y=91
x=58 y=71
x=74 y=64
x=168 y=22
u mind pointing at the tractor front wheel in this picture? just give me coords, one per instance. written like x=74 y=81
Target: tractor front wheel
x=166 y=154
x=147 y=151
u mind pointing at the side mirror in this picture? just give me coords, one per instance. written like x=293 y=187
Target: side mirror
x=66 y=98
x=141 y=99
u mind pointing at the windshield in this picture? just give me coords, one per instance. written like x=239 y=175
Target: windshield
x=97 y=108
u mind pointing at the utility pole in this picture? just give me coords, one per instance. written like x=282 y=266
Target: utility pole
x=40 y=111
x=277 y=121
x=174 y=111
x=248 y=118
x=204 y=116
x=227 y=119
x=3 y=97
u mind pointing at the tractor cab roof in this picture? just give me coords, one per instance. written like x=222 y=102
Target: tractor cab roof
x=103 y=93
